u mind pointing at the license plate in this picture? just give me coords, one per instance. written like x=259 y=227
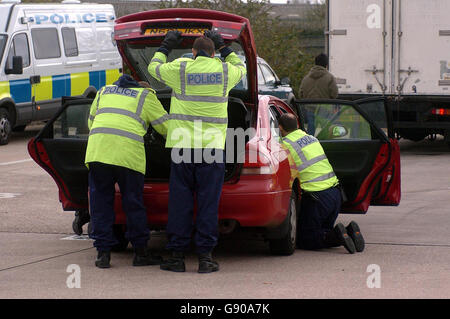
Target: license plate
x=197 y=31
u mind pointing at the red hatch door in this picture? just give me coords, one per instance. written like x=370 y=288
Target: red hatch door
x=149 y=28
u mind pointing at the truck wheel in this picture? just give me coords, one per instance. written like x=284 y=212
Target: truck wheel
x=415 y=135
x=286 y=245
x=5 y=127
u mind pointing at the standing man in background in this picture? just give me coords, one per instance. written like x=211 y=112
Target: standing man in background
x=321 y=197
x=119 y=117
x=317 y=84
x=198 y=111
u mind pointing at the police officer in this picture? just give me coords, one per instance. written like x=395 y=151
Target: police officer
x=119 y=117
x=196 y=134
x=321 y=196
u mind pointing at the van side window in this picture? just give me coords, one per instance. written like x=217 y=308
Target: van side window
x=19 y=47
x=46 y=43
x=69 y=41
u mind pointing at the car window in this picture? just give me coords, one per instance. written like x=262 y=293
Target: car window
x=73 y=122
x=260 y=76
x=70 y=42
x=19 y=47
x=335 y=121
x=139 y=56
x=46 y=43
x=268 y=74
x=376 y=110
x=273 y=118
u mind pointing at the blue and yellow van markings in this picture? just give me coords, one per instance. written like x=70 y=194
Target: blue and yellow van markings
x=56 y=86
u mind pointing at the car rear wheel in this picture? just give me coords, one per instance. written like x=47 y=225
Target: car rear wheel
x=5 y=126
x=286 y=245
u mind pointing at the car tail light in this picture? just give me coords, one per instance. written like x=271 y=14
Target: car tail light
x=127 y=30
x=256 y=163
x=440 y=111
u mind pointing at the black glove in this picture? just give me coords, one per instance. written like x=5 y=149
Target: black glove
x=216 y=38
x=171 y=41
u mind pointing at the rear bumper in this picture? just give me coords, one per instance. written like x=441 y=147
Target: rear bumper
x=246 y=202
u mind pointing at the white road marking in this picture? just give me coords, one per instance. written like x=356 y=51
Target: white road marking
x=76 y=237
x=8 y=195
x=16 y=162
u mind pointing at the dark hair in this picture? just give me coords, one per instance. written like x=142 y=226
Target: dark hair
x=322 y=60
x=288 y=122
x=204 y=44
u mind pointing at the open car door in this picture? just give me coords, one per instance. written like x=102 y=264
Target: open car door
x=60 y=149
x=357 y=139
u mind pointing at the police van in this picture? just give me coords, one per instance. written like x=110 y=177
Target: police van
x=48 y=51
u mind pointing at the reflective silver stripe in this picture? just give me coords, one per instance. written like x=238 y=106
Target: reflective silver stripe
x=321 y=178
x=114 y=131
x=184 y=117
x=310 y=162
x=156 y=60
x=161 y=120
x=123 y=112
x=141 y=102
x=92 y=117
x=183 y=77
x=297 y=149
x=225 y=79
x=240 y=64
x=158 y=73
x=200 y=98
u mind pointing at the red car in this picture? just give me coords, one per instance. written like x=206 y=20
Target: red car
x=260 y=192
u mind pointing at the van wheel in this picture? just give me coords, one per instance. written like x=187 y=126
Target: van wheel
x=5 y=127
x=286 y=245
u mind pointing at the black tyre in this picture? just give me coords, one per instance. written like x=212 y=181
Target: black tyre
x=5 y=126
x=415 y=135
x=119 y=233
x=81 y=218
x=287 y=244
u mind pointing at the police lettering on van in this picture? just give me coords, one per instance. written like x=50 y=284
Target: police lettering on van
x=71 y=18
x=48 y=51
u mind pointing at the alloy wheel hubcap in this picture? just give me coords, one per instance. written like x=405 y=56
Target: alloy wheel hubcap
x=5 y=127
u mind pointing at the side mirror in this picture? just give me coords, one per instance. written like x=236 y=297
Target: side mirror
x=338 y=131
x=17 y=66
x=285 y=81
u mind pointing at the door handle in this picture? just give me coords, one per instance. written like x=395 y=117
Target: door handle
x=35 y=79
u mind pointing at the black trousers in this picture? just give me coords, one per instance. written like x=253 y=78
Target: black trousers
x=317 y=218
x=189 y=183
x=102 y=179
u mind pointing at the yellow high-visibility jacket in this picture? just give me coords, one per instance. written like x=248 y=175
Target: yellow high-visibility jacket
x=118 y=120
x=313 y=167
x=200 y=87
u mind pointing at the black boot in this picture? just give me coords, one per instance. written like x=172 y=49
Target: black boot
x=339 y=237
x=355 y=234
x=103 y=259
x=174 y=263
x=206 y=264
x=143 y=257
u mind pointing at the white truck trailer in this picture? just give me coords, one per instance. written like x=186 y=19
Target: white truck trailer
x=399 y=49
